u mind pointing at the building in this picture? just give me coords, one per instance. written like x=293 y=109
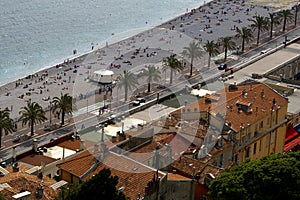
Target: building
x=242 y=121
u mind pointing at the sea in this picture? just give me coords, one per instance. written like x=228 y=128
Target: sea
x=38 y=34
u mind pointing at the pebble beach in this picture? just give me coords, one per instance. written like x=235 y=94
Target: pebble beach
x=209 y=22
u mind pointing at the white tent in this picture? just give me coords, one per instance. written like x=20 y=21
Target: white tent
x=103 y=76
x=201 y=92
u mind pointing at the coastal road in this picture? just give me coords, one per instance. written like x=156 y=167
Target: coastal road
x=205 y=76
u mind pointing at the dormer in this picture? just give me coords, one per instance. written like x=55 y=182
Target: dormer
x=212 y=97
x=244 y=105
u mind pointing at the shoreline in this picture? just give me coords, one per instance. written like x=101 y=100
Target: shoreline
x=100 y=46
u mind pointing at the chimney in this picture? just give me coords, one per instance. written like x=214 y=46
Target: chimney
x=96 y=148
x=63 y=155
x=262 y=94
x=244 y=92
x=274 y=101
x=82 y=144
x=169 y=152
x=251 y=87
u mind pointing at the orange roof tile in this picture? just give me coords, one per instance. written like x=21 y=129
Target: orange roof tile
x=129 y=172
x=36 y=160
x=227 y=103
x=22 y=180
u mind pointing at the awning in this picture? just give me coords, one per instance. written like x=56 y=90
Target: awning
x=289 y=146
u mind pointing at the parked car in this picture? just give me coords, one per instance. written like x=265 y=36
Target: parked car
x=222 y=66
x=141 y=100
x=136 y=103
x=16 y=138
x=54 y=138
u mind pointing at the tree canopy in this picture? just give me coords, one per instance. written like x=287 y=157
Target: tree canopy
x=100 y=186
x=270 y=178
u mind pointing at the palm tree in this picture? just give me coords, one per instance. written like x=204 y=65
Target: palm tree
x=274 y=20
x=194 y=51
x=286 y=16
x=212 y=49
x=174 y=64
x=260 y=23
x=32 y=114
x=246 y=34
x=6 y=123
x=127 y=80
x=297 y=8
x=227 y=44
x=64 y=105
x=152 y=73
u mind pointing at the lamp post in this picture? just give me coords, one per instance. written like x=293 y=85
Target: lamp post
x=50 y=112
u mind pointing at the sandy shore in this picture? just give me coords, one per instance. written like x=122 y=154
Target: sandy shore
x=214 y=20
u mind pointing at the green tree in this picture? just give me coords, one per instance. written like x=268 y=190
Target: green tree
x=64 y=105
x=100 y=186
x=212 y=49
x=246 y=34
x=227 y=44
x=174 y=64
x=274 y=20
x=270 y=178
x=127 y=80
x=260 y=23
x=286 y=16
x=152 y=74
x=32 y=114
x=6 y=123
x=193 y=51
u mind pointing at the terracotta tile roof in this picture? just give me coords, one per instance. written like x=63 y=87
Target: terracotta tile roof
x=259 y=95
x=188 y=167
x=177 y=177
x=22 y=180
x=145 y=152
x=36 y=160
x=70 y=144
x=132 y=175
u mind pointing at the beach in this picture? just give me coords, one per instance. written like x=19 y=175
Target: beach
x=214 y=20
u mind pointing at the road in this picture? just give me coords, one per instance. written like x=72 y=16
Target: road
x=205 y=77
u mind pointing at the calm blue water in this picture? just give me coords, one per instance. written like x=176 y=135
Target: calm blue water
x=35 y=34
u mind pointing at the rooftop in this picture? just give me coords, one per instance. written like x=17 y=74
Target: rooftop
x=129 y=171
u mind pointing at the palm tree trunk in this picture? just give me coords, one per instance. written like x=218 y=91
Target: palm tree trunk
x=209 y=58
x=296 y=15
x=191 y=68
x=225 y=56
x=126 y=91
x=284 y=24
x=171 y=77
x=149 y=86
x=32 y=127
x=63 y=117
x=243 y=45
x=271 y=31
x=258 y=34
x=0 y=137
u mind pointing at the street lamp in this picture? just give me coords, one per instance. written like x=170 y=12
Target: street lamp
x=50 y=112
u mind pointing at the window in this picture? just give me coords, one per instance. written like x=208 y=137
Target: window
x=267 y=141
x=261 y=125
x=272 y=137
x=249 y=129
x=273 y=118
x=248 y=152
x=221 y=160
x=260 y=145
x=254 y=148
x=256 y=127
x=268 y=120
x=230 y=154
